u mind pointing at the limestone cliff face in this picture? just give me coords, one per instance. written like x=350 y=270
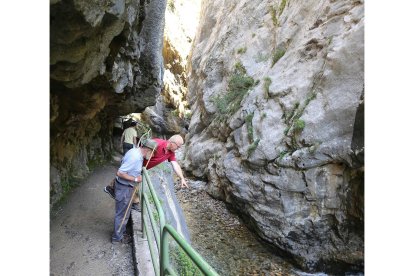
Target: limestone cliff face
x=106 y=60
x=171 y=113
x=277 y=95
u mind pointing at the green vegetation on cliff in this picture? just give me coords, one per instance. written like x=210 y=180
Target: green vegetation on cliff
x=238 y=86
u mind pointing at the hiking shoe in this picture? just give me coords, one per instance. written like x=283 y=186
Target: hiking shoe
x=125 y=240
x=136 y=207
x=110 y=191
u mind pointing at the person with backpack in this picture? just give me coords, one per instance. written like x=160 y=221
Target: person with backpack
x=129 y=138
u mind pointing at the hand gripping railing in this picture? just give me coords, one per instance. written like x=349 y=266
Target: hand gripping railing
x=160 y=256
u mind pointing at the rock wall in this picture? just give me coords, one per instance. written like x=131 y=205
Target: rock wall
x=276 y=90
x=105 y=60
x=171 y=113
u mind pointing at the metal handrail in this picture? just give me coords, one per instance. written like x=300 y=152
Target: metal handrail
x=195 y=257
x=162 y=263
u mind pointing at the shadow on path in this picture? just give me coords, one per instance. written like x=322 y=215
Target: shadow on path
x=81 y=228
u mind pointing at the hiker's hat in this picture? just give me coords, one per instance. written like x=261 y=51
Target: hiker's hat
x=150 y=143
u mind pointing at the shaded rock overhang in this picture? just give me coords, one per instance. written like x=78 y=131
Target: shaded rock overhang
x=105 y=61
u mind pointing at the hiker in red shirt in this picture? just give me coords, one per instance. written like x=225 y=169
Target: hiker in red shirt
x=165 y=151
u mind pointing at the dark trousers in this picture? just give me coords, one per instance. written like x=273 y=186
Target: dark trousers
x=126 y=147
x=123 y=195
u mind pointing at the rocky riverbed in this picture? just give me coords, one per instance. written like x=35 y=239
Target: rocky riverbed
x=223 y=240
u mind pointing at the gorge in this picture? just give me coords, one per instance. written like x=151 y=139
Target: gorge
x=269 y=96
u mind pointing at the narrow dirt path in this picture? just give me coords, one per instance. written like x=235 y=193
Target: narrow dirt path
x=81 y=228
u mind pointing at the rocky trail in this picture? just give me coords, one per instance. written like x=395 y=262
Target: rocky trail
x=81 y=228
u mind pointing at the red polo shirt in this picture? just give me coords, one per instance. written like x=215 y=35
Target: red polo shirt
x=160 y=155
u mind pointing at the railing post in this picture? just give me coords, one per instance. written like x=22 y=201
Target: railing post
x=141 y=202
x=165 y=262
x=156 y=202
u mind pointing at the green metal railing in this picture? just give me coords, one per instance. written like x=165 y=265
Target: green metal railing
x=160 y=254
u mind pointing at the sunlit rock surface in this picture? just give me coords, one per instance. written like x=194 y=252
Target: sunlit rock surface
x=171 y=113
x=288 y=154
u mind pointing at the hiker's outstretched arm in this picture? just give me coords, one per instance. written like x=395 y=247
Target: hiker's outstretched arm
x=179 y=172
